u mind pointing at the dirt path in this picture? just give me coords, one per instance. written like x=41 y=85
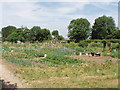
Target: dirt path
x=99 y=59
x=9 y=76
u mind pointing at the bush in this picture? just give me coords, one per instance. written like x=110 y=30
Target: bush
x=96 y=44
x=78 y=50
x=71 y=45
x=115 y=46
x=83 y=44
x=112 y=54
x=34 y=53
x=115 y=40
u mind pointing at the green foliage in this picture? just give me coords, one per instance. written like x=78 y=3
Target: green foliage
x=83 y=75
x=83 y=44
x=34 y=53
x=19 y=62
x=116 y=34
x=108 y=62
x=13 y=37
x=45 y=35
x=115 y=40
x=35 y=33
x=112 y=54
x=60 y=37
x=22 y=56
x=6 y=31
x=48 y=63
x=103 y=28
x=24 y=34
x=78 y=50
x=115 y=46
x=71 y=45
x=104 y=40
x=79 y=29
x=62 y=59
x=96 y=44
x=58 y=68
x=55 y=33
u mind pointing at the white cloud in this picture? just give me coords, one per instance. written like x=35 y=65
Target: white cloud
x=65 y=10
x=1 y=15
x=71 y=7
x=20 y=12
x=18 y=0
x=59 y=0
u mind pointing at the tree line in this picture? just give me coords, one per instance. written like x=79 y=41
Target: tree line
x=78 y=29
x=103 y=28
x=13 y=34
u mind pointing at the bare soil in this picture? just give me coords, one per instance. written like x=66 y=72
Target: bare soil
x=98 y=59
x=7 y=74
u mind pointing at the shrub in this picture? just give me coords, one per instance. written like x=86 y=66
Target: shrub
x=83 y=44
x=71 y=45
x=35 y=53
x=78 y=50
x=112 y=54
x=115 y=46
x=96 y=44
x=115 y=40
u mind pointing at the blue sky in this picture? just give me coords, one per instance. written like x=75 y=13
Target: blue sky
x=54 y=15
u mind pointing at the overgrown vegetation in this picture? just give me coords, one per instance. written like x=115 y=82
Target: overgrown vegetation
x=59 y=70
x=84 y=75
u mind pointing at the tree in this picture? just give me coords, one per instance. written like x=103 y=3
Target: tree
x=60 y=37
x=34 y=33
x=6 y=31
x=116 y=34
x=23 y=34
x=13 y=37
x=45 y=34
x=103 y=28
x=78 y=29
x=55 y=33
x=26 y=33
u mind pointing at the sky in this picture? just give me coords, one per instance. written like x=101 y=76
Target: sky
x=54 y=14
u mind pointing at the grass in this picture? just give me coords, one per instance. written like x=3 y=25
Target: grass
x=85 y=75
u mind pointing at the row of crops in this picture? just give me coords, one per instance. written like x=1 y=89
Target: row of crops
x=22 y=55
x=27 y=54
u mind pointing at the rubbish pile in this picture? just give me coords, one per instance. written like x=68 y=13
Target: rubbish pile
x=7 y=85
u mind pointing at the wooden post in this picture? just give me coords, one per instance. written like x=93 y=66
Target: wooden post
x=109 y=45
x=119 y=50
x=104 y=45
